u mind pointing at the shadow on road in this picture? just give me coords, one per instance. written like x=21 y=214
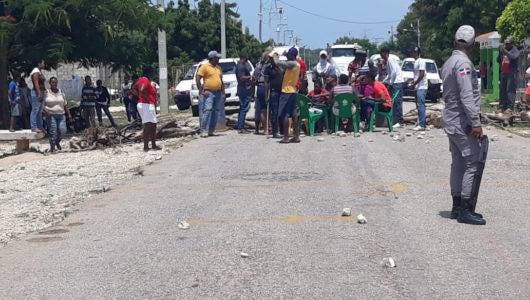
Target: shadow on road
x=445 y=214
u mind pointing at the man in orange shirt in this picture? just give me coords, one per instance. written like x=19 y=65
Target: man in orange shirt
x=380 y=95
x=211 y=92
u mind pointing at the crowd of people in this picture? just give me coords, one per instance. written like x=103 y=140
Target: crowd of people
x=44 y=107
x=278 y=82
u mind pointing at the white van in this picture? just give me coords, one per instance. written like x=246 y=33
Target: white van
x=434 y=92
x=342 y=55
x=183 y=89
x=228 y=65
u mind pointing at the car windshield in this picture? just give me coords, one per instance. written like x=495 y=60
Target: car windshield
x=228 y=67
x=431 y=68
x=190 y=73
x=408 y=66
x=342 y=52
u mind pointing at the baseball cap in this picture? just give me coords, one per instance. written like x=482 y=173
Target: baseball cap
x=214 y=54
x=293 y=52
x=323 y=52
x=465 y=35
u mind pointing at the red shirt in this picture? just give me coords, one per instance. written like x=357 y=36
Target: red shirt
x=322 y=99
x=145 y=83
x=353 y=67
x=505 y=65
x=381 y=92
x=303 y=70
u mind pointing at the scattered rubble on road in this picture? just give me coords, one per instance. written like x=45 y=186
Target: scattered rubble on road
x=388 y=262
x=38 y=191
x=433 y=114
x=183 y=225
x=167 y=127
x=361 y=219
x=346 y=212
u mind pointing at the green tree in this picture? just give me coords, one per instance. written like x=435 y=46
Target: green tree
x=439 y=19
x=515 y=20
x=119 y=33
x=195 y=32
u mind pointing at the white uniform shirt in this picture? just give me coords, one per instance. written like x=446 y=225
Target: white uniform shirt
x=420 y=65
x=394 y=74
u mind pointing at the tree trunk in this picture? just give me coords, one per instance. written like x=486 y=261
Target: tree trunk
x=4 y=101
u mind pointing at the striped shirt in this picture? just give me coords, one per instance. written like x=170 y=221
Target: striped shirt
x=342 y=89
x=89 y=96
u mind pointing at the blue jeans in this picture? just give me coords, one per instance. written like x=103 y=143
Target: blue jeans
x=105 y=109
x=56 y=128
x=126 y=103
x=398 y=103
x=244 y=106
x=208 y=108
x=287 y=106
x=367 y=106
x=35 y=118
x=261 y=102
x=274 y=107
x=508 y=89
x=420 y=101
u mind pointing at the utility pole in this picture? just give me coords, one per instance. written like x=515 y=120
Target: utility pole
x=162 y=65
x=223 y=29
x=260 y=20
x=419 y=32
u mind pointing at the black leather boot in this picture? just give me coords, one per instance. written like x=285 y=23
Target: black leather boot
x=466 y=216
x=456 y=207
x=472 y=208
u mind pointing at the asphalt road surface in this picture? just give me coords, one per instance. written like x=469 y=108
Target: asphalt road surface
x=281 y=205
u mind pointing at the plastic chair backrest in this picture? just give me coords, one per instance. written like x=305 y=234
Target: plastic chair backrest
x=396 y=94
x=303 y=106
x=345 y=103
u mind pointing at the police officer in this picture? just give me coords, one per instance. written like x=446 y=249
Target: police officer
x=462 y=125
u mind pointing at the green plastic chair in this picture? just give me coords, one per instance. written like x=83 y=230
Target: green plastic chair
x=344 y=103
x=389 y=116
x=305 y=114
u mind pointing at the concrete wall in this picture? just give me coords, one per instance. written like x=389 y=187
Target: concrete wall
x=71 y=78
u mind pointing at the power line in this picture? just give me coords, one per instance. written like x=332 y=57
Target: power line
x=337 y=20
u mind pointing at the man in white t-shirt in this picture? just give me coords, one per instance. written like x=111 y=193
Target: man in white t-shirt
x=421 y=85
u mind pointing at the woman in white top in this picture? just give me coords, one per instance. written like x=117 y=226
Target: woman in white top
x=55 y=109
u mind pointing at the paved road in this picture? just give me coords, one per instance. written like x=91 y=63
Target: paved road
x=281 y=205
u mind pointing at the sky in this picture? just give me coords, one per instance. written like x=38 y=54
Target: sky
x=315 y=31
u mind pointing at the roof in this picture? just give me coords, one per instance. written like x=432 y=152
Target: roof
x=425 y=59
x=487 y=36
x=347 y=46
x=222 y=60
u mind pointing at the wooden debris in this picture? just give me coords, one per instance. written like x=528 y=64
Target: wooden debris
x=102 y=137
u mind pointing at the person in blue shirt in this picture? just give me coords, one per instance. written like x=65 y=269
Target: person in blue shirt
x=14 y=101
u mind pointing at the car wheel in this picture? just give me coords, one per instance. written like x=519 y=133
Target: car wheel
x=195 y=110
